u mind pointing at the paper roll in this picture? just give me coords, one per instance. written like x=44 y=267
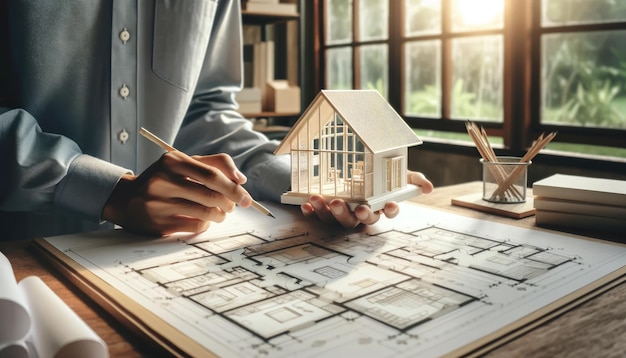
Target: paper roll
x=57 y=330
x=14 y=317
x=14 y=350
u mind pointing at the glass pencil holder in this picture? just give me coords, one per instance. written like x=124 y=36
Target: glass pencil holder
x=504 y=181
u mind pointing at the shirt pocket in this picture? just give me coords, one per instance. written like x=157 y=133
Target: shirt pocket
x=180 y=39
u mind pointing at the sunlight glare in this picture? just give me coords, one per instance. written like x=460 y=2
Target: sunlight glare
x=479 y=12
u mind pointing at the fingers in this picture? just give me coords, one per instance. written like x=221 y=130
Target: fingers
x=179 y=164
x=183 y=208
x=419 y=179
x=225 y=164
x=182 y=216
x=341 y=212
x=391 y=210
x=181 y=190
x=366 y=215
x=337 y=211
x=318 y=206
x=177 y=194
x=145 y=215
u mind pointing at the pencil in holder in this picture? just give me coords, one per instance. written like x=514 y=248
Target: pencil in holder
x=504 y=180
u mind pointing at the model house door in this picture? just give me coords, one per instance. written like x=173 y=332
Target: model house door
x=393 y=173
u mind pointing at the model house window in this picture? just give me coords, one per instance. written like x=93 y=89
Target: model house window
x=518 y=68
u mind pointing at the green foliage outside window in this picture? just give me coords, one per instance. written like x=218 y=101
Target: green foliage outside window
x=585 y=82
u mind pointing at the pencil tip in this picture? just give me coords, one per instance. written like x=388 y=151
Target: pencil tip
x=272 y=215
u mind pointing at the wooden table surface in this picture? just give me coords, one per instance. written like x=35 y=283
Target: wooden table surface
x=595 y=328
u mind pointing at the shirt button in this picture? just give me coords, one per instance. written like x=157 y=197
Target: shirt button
x=124 y=35
x=124 y=91
x=123 y=136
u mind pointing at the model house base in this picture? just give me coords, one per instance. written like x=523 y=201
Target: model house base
x=377 y=203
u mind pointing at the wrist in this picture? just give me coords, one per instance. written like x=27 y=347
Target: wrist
x=115 y=205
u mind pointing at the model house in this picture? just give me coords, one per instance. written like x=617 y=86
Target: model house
x=349 y=144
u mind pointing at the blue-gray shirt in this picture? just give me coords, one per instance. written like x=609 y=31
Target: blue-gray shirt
x=79 y=78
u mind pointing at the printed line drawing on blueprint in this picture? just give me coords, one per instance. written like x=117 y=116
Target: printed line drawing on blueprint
x=399 y=288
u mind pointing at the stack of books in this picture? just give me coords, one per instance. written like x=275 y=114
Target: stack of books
x=577 y=202
x=270 y=7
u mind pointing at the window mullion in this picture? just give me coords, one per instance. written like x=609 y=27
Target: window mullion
x=446 y=59
x=356 y=36
x=535 y=69
x=395 y=66
x=516 y=121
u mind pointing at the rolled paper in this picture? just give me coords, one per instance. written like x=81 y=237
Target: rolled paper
x=14 y=317
x=57 y=330
x=15 y=350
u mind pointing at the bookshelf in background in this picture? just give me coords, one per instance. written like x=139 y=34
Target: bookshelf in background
x=271 y=65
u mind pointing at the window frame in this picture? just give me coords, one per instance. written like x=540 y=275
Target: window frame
x=521 y=75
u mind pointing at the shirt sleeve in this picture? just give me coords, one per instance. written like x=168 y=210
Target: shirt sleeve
x=45 y=172
x=213 y=125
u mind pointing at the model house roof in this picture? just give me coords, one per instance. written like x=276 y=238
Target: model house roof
x=366 y=112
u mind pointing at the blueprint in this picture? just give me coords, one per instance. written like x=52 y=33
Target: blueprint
x=425 y=283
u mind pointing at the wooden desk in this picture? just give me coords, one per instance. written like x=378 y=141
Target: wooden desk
x=595 y=328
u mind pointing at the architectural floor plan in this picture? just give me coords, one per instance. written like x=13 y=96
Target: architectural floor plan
x=426 y=283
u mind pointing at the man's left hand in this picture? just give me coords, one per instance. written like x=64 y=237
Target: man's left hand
x=337 y=210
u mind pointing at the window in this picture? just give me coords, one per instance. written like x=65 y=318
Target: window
x=365 y=40
x=518 y=68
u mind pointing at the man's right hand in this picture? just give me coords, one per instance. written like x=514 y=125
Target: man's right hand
x=177 y=193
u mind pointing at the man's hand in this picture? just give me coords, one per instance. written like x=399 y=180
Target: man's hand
x=336 y=210
x=177 y=193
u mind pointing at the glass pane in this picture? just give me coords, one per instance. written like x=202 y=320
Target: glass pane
x=584 y=78
x=373 y=20
x=422 y=17
x=373 y=68
x=570 y=12
x=468 y=15
x=477 y=78
x=339 y=20
x=339 y=68
x=422 y=92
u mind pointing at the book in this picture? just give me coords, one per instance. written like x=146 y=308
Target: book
x=31 y=312
x=580 y=207
x=248 y=65
x=263 y=66
x=569 y=221
x=250 y=108
x=249 y=94
x=282 y=97
x=579 y=188
x=270 y=8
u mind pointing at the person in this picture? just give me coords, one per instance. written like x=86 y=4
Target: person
x=78 y=80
